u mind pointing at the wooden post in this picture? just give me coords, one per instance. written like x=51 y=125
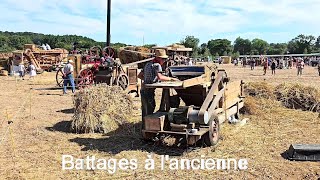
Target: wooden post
x=165 y=100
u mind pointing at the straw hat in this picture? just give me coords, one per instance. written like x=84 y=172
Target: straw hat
x=161 y=53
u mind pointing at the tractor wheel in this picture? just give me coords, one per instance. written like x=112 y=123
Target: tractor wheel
x=59 y=77
x=123 y=81
x=108 y=52
x=85 y=78
x=211 y=138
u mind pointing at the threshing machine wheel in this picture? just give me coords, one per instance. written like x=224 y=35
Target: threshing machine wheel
x=211 y=138
x=85 y=78
x=123 y=81
x=59 y=77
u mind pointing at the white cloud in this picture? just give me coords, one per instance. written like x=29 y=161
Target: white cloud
x=164 y=21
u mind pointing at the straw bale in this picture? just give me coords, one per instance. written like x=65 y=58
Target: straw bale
x=102 y=109
x=130 y=57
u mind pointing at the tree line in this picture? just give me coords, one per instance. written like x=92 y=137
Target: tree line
x=302 y=44
x=10 y=41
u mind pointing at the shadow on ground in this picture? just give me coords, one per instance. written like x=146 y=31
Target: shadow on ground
x=63 y=126
x=67 y=111
x=126 y=138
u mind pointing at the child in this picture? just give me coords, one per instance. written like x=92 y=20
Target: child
x=32 y=71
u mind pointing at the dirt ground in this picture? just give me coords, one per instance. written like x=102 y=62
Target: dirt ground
x=32 y=146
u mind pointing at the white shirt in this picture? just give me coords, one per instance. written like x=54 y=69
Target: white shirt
x=32 y=70
x=68 y=68
x=21 y=67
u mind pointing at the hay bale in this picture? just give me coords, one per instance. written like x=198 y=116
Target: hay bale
x=260 y=90
x=101 y=108
x=297 y=96
x=127 y=57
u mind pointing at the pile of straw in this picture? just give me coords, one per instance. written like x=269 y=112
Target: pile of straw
x=292 y=96
x=101 y=108
x=297 y=96
x=127 y=56
x=259 y=89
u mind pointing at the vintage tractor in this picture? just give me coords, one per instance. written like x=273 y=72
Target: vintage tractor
x=92 y=68
x=196 y=105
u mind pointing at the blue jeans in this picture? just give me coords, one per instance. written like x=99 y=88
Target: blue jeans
x=68 y=80
x=148 y=103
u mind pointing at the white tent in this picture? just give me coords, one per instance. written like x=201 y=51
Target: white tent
x=48 y=47
x=43 y=47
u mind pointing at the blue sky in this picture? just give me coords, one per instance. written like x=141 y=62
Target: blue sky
x=164 y=22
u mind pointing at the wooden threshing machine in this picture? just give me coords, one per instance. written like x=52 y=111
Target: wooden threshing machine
x=91 y=68
x=209 y=99
x=42 y=59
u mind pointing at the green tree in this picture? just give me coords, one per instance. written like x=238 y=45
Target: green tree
x=242 y=46
x=195 y=54
x=235 y=55
x=277 y=48
x=206 y=52
x=300 y=43
x=203 y=48
x=149 y=46
x=191 y=42
x=219 y=46
x=259 y=46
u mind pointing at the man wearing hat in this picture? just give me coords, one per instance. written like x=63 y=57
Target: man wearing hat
x=68 y=77
x=150 y=74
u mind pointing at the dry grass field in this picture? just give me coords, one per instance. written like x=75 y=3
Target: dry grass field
x=33 y=145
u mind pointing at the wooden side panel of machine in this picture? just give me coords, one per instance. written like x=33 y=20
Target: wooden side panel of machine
x=233 y=93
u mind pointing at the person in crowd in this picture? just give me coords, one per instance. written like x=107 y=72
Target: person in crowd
x=300 y=66
x=252 y=63
x=265 y=66
x=273 y=67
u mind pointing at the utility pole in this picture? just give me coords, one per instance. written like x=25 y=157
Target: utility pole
x=108 y=22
